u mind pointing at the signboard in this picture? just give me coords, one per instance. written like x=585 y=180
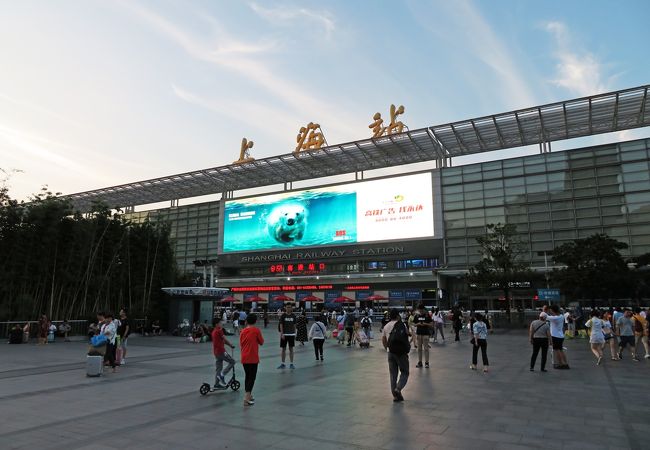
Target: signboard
x=412 y=294
x=362 y=295
x=370 y=211
x=330 y=296
x=395 y=294
x=548 y=295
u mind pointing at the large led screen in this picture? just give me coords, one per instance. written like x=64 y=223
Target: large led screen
x=379 y=210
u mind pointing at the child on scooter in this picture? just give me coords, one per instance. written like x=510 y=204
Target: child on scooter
x=219 y=343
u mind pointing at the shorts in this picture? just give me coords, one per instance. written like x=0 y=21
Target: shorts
x=557 y=343
x=291 y=340
x=627 y=340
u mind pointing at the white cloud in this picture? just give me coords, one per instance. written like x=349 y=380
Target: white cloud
x=467 y=31
x=578 y=71
x=288 y=14
x=236 y=56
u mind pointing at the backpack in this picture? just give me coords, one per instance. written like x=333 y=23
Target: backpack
x=398 y=340
x=365 y=322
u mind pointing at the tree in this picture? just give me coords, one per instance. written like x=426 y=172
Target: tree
x=69 y=266
x=500 y=266
x=594 y=268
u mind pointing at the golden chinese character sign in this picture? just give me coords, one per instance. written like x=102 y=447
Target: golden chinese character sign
x=309 y=137
x=395 y=126
x=244 y=152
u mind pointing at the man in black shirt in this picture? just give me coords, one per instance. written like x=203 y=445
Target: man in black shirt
x=123 y=331
x=287 y=328
x=423 y=326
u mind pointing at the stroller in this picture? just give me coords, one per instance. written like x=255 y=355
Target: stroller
x=207 y=388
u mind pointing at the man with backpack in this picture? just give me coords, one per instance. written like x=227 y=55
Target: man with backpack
x=395 y=338
x=349 y=326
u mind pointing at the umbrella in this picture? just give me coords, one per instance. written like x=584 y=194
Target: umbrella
x=311 y=298
x=376 y=297
x=343 y=299
x=228 y=299
x=256 y=298
x=282 y=298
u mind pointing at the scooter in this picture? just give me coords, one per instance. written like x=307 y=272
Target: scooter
x=207 y=388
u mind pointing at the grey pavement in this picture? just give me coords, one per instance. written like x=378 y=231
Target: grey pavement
x=153 y=402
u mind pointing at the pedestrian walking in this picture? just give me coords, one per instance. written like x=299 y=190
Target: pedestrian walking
x=597 y=335
x=556 y=321
x=423 y=326
x=123 y=331
x=480 y=332
x=43 y=329
x=625 y=333
x=250 y=340
x=457 y=322
x=438 y=325
x=108 y=329
x=640 y=335
x=287 y=329
x=301 y=328
x=266 y=318
x=219 y=342
x=539 y=335
x=610 y=336
x=318 y=334
x=395 y=338
x=349 y=326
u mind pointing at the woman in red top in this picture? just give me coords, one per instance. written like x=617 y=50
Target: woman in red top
x=249 y=341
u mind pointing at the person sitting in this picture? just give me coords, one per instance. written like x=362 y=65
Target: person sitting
x=155 y=328
x=64 y=329
x=16 y=335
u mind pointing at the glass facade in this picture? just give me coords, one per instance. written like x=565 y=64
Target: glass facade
x=552 y=198
x=194 y=230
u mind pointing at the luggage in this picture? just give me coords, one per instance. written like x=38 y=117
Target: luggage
x=94 y=366
x=118 y=355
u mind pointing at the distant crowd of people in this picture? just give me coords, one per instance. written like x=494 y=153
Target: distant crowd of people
x=46 y=331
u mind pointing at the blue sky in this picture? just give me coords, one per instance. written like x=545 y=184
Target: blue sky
x=97 y=93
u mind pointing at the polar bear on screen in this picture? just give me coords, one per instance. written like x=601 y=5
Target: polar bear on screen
x=287 y=223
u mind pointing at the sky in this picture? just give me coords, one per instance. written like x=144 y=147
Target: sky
x=100 y=93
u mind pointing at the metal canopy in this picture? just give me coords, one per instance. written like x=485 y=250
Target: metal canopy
x=614 y=111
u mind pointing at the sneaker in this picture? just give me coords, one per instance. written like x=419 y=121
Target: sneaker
x=282 y=366
x=647 y=356
x=472 y=366
x=322 y=359
x=634 y=358
x=222 y=381
x=419 y=365
x=398 y=395
x=620 y=354
x=485 y=370
x=348 y=345
x=426 y=365
x=532 y=370
x=543 y=370
x=291 y=366
x=600 y=359
x=123 y=362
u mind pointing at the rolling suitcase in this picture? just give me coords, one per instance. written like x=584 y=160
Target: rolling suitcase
x=94 y=365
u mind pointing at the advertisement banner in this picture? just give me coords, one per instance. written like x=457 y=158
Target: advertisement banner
x=549 y=295
x=379 y=210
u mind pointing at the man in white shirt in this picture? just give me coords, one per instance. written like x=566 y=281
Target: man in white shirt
x=556 y=320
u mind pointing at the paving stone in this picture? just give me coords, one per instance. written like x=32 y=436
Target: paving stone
x=153 y=402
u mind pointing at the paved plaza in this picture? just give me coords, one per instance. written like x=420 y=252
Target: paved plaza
x=153 y=402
